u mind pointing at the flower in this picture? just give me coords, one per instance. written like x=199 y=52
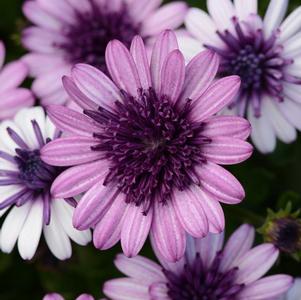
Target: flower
x=12 y=97
x=206 y=272
x=25 y=189
x=147 y=147
x=265 y=53
x=67 y=32
x=295 y=291
x=55 y=296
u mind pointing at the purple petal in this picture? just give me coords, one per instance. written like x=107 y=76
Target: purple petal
x=168 y=233
x=228 y=126
x=267 y=288
x=220 y=183
x=172 y=76
x=216 y=97
x=138 y=52
x=70 y=151
x=78 y=179
x=108 y=230
x=256 y=262
x=95 y=85
x=165 y=43
x=135 y=229
x=122 y=67
x=200 y=73
x=227 y=151
x=190 y=213
x=238 y=244
x=72 y=121
x=93 y=205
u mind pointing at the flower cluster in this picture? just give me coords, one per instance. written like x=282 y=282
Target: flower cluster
x=137 y=124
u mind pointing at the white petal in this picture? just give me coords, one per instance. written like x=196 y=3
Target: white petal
x=291 y=25
x=245 y=7
x=292 y=111
x=292 y=46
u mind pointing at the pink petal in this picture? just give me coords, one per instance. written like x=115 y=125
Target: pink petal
x=70 y=151
x=93 y=205
x=230 y=126
x=169 y=16
x=256 y=262
x=267 y=288
x=79 y=179
x=159 y=291
x=140 y=9
x=140 y=268
x=190 y=212
x=172 y=76
x=140 y=57
x=168 y=233
x=122 y=67
x=212 y=210
x=72 y=121
x=76 y=95
x=165 y=43
x=135 y=229
x=125 y=289
x=216 y=97
x=200 y=73
x=84 y=297
x=12 y=75
x=237 y=245
x=108 y=230
x=227 y=151
x=95 y=85
x=220 y=183
x=13 y=100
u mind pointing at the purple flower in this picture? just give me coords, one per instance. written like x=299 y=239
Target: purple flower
x=67 y=32
x=25 y=182
x=147 y=147
x=265 y=53
x=12 y=97
x=55 y=296
x=295 y=291
x=206 y=272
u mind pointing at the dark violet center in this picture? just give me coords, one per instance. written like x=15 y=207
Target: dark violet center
x=151 y=144
x=197 y=283
x=33 y=172
x=257 y=60
x=286 y=234
x=87 y=39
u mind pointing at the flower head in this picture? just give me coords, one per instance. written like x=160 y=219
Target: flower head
x=206 y=272
x=12 y=97
x=265 y=53
x=148 y=145
x=25 y=182
x=68 y=32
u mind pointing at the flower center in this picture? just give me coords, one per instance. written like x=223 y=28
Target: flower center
x=286 y=234
x=33 y=172
x=151 y=144
x=257 y=60
x=87 y=39
x=198 y=283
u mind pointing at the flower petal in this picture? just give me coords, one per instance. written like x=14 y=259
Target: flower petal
x=291 y=25
x=244 y=8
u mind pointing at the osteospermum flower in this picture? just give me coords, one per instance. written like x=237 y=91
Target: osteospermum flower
x=12 y=97
x=206 y=272
x=148 y=145
x=25 y=189
x=295 y=291
x=265 y=53
x=67 y=32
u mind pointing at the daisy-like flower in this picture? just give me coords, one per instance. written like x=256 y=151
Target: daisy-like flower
x=12 y=97
x=55 y=296
x=67 y=32
x=25 y=182
x=265 y=53
x=206 y=272
x=148 y=145
x=295 y=291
